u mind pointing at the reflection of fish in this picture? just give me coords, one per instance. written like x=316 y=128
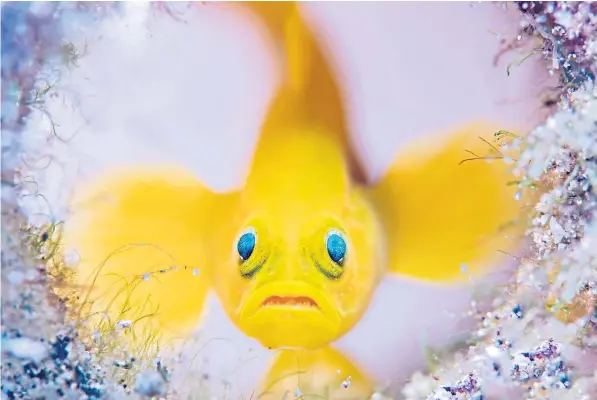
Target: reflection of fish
x=296 y=255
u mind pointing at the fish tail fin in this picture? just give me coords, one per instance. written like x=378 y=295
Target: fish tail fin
x=143 y=241
x=284 y=23
x=297 y=42
x=448 y=209
x=309 y=96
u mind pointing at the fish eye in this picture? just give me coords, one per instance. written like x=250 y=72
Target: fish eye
x=336 y=246
x=327 y=249
x=246 y=244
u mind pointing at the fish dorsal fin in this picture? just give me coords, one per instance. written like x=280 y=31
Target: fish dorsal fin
x=309 y=98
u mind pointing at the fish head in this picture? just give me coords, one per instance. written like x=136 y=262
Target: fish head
x=303 y=254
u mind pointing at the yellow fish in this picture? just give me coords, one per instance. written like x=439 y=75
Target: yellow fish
x=296 y=254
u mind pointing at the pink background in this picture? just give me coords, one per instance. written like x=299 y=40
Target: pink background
x=152 y=89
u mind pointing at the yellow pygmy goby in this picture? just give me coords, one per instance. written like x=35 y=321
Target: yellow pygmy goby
x=296 y=254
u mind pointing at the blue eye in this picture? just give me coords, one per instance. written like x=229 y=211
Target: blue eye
x=336 y=246
x=246 y=244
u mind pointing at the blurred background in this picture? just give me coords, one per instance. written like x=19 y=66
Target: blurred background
x=191 y=85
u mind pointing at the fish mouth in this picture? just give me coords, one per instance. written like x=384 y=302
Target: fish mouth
x=289 y=314
x=292 y=301
x=292 y=297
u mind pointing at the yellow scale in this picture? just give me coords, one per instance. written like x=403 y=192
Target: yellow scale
x=296 y=255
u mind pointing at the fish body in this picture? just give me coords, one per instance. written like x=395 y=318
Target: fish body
x=295 y=255
x=299 y=190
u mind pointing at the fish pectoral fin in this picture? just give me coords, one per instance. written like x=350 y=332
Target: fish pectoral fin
x=142 y=236
x=323 y=373
x=447 y=208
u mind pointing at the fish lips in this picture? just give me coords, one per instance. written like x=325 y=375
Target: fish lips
x=289 y=305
